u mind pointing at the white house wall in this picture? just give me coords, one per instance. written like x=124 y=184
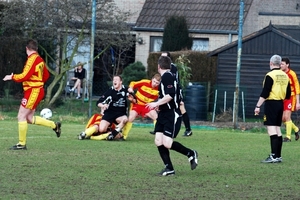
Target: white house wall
x=142 y=50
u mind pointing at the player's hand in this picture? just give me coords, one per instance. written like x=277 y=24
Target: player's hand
x=131 y=97
x=8 y=77
x=152 y=105
x=256 y=111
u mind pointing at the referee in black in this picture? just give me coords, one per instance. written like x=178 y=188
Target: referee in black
x=276 y=88
x=169 y=119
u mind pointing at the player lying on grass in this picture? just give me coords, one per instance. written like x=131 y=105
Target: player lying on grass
x=113 y=103
x=92 y=130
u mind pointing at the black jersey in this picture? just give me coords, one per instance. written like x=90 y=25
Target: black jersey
x=168 y=86
x=117 y=100
x=175 y=73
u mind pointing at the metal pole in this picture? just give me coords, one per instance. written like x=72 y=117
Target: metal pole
x=238 y=66
x=91 y=69
x=215 y=105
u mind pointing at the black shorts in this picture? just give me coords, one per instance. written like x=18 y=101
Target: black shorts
x=168 y=122
x=112 y=116
x=273 y=112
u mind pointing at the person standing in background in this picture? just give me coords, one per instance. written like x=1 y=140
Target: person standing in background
x=291 y=104
x=276 y=88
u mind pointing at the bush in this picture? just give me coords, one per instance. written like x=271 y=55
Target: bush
x=134 y=72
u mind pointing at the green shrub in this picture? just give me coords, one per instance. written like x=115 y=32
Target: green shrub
x=134 y=72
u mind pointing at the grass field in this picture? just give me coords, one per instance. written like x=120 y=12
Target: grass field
x=67 y=168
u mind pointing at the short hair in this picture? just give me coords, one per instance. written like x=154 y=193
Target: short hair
x=157 y=76
x=166 y=54
x=276 y=60
x=164 y=62
x=118 y=76
x=32 y=45
x=286 y=60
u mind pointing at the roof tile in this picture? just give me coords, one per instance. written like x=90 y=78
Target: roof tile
x=200 y=14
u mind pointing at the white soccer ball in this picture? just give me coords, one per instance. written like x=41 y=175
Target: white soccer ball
x=46 y=113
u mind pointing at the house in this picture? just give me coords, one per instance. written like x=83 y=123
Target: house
x=257 y=49
x=212 y=23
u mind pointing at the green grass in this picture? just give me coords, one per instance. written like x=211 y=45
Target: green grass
x=67 y=168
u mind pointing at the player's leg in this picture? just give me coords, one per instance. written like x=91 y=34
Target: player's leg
x=186 y=120
x=91 y=127
x=163 y=151
x=100 y=137
x=78 y=88
x=294 y=127
x=23 y=125
x=121 y=120
x=288 y=124
x=176 y=146
x=132 y=115
x=286 y=118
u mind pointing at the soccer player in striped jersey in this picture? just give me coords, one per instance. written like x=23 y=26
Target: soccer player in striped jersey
x=146 y=92
x=33 y=78
x=291 y=104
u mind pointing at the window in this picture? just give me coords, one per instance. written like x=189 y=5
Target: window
x=155 y=43
x=199 y=44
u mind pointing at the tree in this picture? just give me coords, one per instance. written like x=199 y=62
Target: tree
x=176 y=35
x=62 y=28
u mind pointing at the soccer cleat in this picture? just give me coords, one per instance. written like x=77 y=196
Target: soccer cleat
x=152 y=132
x=286 y=139
x=279 y=159
x=81 y=136
x=18 y=147
x=194 y=160
x=110 y=137
x=122 y=139
x=78 y=97
x=166 y=172
x=188 y=133
x=57 y=129
x=71 y=90
x=297 y=135
x=270 y=159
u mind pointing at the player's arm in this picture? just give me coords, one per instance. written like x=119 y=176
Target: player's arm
x=28 y=70
x=137 y=84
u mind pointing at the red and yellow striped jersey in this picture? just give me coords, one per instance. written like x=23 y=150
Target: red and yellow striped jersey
x=145 y=93
x=293 y=82
x=35 y=73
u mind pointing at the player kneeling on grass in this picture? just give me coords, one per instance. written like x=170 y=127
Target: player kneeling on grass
x=92 y=130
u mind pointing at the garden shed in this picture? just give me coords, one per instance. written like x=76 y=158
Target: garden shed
x=257 y=49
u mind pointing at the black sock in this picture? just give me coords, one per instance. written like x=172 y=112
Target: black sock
x=165 y=156
x=115 y=133
x=274 y=144
x=278 y=155
x=186 y=121
x=176 y=146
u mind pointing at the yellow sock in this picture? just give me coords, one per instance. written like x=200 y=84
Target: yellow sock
x=100 y=137
x=294 y=127
x=288 y=129
x=126 y=129
x=23 y=126
x=42 y=121
x=90 y=131
x=154 y=122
